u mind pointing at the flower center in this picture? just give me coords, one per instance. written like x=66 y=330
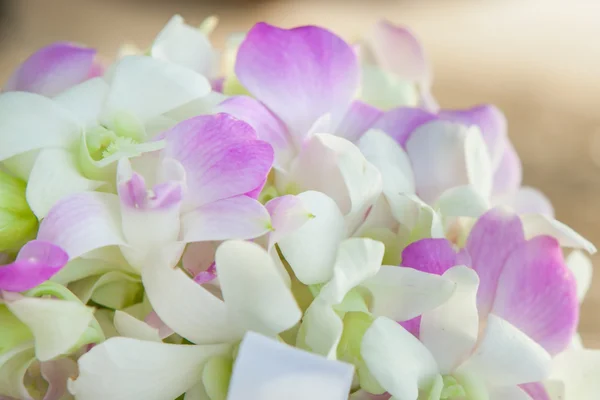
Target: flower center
x=452 y=389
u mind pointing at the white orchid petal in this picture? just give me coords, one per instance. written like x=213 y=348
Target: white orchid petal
x=254 y=292
x=322 y=329
x=478 y=162
x=581 y=266
x=57 y=325
x=55 y=175
x=508 y=392
x=450 y=330
x=267 y=370
x=124 y=369
x=403 y=293
x=398 y=360
x=506 y=356
x=85 y=101
x=538 y=224
x=311 y=249
x=132 y=327
x=13 y=367
x=462 y=201
x=577 y=370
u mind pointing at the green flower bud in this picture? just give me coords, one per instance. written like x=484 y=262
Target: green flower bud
x=18 y=224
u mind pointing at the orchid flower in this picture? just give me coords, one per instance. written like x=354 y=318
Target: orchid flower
x=254 y=296
x=38 y=336
x=54 y=69
x=18 y=222
x=395 y=71
x=203 y=181
x=70 y=144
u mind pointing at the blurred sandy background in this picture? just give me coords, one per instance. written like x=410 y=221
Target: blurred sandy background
x=539 y=61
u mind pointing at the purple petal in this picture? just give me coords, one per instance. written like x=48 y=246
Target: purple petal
x=267 y=126
x=434 y=256
x=412 y=325
x=133 y=194
x=401 y=122
x=508 y=174
x=57 y=374
x=358 y=119
x=495 y=235
x=207 y=276
x=37 y=262
x=300 y=74
x=397 y=50
x=536 y=391
x=221 y=157
x=489 y=119
x=53 y=69
x=537 y=293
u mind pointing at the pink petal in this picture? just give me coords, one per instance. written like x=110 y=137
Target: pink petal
x=53 y=69
x=401 y=122
x=529 y=200
x=508 y=173
x=412 y=325
x=536 y=391
x=199 y=257
x=491 y=241
x=358 y=119
x=288 y=213
x=221 y=156
x=490 y=120
x=397 y=50
x=537 y=293
x=300 y=74
x=37 y=262
x=206 y=276
x=154 y=321
x=267 y=126
x=434 y=256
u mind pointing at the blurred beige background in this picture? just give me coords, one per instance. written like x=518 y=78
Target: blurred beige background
x=539 y=61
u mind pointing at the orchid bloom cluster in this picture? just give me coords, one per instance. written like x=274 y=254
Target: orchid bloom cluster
x=291 y=217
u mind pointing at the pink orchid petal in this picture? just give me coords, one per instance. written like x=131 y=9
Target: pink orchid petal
x=221 y=157
x=267 y=126
x=239 y=217
x=491 y=241
x=508 y=173
x=397 y=50
x=199 y=257
x=206 y=276
x=529 y=200
x=537 y=293
x=490 y=120
x=434 y=256
x=536 y=391
x=37 y=262
x=83 y=222
x=401 y=122
x=359 y=118
x=412 y=325
x=300 y=74
x=288 y=213
x=53 y=69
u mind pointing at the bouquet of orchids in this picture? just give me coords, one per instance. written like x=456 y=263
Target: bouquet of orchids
x=293 y=217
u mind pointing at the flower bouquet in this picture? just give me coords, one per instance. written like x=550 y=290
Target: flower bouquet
x=293 y=217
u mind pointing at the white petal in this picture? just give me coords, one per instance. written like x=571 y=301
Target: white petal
x=390 y=159
x=336 y=167
x=125 y=369
x=185 y=306
x=508 y=392
x=146 y=88
x=267 y=370
x=311 y=250
x=538 y=224
x=239 y=217
x=322 y=329
x=357 y=260
x=505 y=356
x=403 y=293
x=253 y=290
x=55 y=175
x=13 y=367
x=182 y=44
x=419 y=217
x=68 y=223
x=57 y=325
x=450 y=330
x=578 y=370
x=398 y=360
x=581 y=266
x=85 y=101
x=462 y=201
x=437 y=154
x=197 y=393
x=478 y=162
x=132 y=327
x=29 y=121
